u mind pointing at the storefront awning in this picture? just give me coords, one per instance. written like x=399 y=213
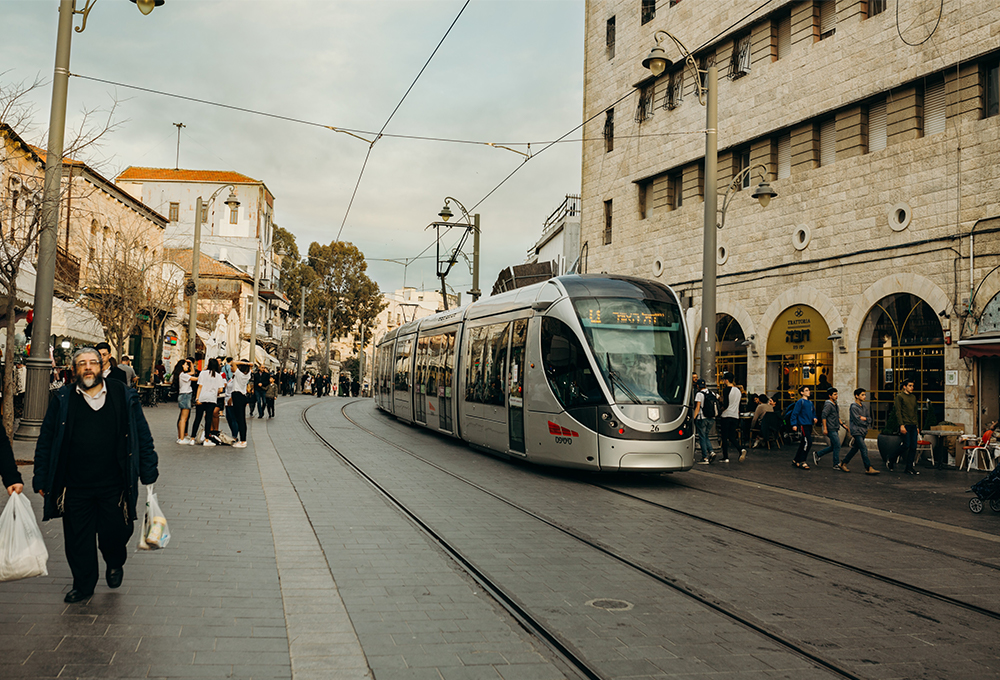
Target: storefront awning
x=75 y=322
x=980 y=346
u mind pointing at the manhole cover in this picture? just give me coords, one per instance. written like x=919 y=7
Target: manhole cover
x=610 y=605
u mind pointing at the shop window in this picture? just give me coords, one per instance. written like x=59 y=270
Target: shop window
x=901 y=339
x=799 y=354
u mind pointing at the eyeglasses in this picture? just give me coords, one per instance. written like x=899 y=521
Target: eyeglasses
x=85 y=362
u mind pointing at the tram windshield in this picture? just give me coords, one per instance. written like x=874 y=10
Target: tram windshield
x=639 y=346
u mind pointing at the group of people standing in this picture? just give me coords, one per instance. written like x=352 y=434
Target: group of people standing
x=225 y=388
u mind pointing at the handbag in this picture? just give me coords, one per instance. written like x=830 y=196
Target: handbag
x=22 y=551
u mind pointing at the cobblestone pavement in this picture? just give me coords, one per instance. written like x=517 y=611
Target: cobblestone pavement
x=285 y=564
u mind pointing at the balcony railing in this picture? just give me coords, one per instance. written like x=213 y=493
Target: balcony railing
x=67 y=271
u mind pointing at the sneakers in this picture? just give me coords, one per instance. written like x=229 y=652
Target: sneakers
x=240 y=445
x=743 y=455
x=208 y=442
x=725 y=460
x=182 y=441
x=190 y=442
x=703 y=461
x=711 y=457
x=815 y=459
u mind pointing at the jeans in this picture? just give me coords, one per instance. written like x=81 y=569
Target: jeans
x=728 y=428
x=858 y=445
x=703 y=426
x=834 y=447
x=261 y=403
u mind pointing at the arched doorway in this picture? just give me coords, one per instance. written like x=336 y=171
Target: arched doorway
x=799 y=353
x=730 y=352
x=901 y=338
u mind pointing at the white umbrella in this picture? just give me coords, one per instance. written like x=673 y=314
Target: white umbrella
x=218 y=345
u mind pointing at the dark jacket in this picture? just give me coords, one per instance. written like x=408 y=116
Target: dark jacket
x=8 y=466
x=137 y=456
x=117 y=374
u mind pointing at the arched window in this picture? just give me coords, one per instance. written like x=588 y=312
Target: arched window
x=901 y=338
x=730 y=352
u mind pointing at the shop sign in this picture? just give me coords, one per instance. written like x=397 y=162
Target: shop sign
x=799 y=330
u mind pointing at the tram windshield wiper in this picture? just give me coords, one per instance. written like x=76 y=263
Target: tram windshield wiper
x=617 y=380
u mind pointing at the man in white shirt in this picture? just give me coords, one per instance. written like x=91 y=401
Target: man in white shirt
x=729 y=420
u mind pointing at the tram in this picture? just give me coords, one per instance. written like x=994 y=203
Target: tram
x=584 y=371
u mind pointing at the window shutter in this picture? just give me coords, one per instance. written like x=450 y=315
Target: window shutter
x=784 y=156
x=827 y=142
x=827 y=17
x=784 y=37
x=876 y=126
x=934 y=108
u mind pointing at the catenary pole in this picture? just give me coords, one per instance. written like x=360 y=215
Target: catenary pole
x=38 y=363
x=706 y=337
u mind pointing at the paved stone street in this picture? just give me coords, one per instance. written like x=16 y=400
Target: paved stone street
x=285 y=564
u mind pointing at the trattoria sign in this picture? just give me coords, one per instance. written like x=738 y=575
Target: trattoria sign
x=799 y=330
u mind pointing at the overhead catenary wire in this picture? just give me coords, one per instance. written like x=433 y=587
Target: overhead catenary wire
x=371 y=146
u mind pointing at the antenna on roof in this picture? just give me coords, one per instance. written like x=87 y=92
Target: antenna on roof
x=177 y=161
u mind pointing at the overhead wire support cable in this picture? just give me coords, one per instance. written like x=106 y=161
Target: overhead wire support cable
x=371 y=146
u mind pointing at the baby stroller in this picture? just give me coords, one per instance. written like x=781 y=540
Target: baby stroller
x=986 y=489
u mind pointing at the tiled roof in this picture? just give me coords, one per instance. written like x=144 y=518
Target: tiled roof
x=43 y=154
x=208 y=267
x=132 y=173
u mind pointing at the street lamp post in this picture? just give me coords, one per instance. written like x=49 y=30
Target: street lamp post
x=472 y=223
x=231 y=201
x=708 y=95
x=38 y=363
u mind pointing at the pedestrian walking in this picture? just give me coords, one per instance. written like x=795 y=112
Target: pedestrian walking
x=803 y=418
x=260 y=382
x=93 y=448
x=830 y=417
x=906 y=410
x=185 y=380
x=110 y=371
x=131 y=379
x=706 y=407
x=729 y=419
x=271 y=393
x=859 y=418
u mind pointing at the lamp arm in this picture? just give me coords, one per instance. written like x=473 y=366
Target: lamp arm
x=733 y=188
x=689 y=59
x=459 y=204
x=85 y=12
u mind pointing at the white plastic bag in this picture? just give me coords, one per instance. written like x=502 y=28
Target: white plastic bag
x=22 y=550
x=155 y=533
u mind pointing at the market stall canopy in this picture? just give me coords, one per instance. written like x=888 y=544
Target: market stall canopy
x=985 y=345
x=259 y=355
x=26 y=285
x=78 y=323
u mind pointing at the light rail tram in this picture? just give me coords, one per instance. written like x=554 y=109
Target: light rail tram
x=585 y=371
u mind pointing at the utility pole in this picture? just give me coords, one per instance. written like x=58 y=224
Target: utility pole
x=475 y=292
x=195 y=262
x=177 y=162
x=361 y=361
x=302 y=338
x=326 y=360
x=253 y=312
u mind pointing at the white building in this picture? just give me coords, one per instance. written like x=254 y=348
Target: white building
x=560 y=239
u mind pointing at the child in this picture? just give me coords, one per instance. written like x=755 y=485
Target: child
x=271 y=393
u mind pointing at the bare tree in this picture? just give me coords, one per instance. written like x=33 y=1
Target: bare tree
x=122 y=272
x=162 y=291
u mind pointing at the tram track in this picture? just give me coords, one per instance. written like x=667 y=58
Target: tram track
x=520 y=613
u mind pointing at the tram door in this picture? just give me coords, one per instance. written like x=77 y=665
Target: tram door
x=515 y=381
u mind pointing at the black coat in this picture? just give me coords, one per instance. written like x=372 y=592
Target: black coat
x=136 y=454
x=8 y=466
x=117 y=374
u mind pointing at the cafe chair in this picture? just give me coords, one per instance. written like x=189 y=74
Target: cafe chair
x=983 y=454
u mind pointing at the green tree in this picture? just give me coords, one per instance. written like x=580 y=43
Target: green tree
x=344 y=288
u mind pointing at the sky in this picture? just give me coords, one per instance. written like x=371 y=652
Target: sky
x=509 y=72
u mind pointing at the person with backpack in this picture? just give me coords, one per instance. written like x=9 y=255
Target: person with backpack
x=706 y=409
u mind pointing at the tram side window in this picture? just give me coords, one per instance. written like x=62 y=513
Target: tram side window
x=423 y=358
x=498 y=362
x=566 y=366
x=402 y=382
x=474 y=372
x=449 y=362
x=433 y=364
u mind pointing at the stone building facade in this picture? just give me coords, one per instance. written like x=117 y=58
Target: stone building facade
x=875 y=262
